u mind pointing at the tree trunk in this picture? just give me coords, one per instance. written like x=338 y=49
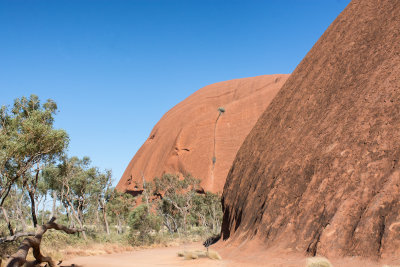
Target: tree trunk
x=18 y=259
x=119 y=225
x=167 y=224
x=10 y=229
x=105 y=219
x=76 y=215
x=38 y=201
x=106 y=222
x=69 y=216
x=97 y=214
x=20 y=213
x=33 y=208
x=53 y=210
x=184 y=222
x=80 y=214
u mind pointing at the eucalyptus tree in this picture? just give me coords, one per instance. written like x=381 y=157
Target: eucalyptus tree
x=101 y=193
x=52 y=179
x=28 y=141
x=119 y=205
x=77 y=184
x=177 y=196
x=37 y=191
x=17 y=207
x=207 y=209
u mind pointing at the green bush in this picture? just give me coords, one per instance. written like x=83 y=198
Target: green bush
x=144 y=226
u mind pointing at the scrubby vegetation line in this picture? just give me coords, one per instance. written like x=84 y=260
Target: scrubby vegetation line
x=39 y=180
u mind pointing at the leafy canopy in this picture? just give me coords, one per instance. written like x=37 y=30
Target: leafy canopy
x=27 y=139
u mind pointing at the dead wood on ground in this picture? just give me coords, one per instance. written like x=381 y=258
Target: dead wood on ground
x=19 y=258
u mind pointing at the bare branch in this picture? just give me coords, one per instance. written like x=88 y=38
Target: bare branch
x=18 y=259
x=15 y=237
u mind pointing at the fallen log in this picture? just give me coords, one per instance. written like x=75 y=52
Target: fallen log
x=19 y=258
x=14 y=237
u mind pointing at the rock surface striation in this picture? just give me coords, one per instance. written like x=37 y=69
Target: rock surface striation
x=319 y=173
x=183 y=140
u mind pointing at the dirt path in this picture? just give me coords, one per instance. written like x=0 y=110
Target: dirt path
x=146 y=258
x=167 y=256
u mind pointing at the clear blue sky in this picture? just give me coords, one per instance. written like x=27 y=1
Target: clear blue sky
x=114 y=67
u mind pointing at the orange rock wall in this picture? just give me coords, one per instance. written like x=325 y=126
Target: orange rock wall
x=319 y=173
x=183 y=140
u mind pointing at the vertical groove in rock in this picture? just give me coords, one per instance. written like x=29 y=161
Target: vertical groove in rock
x=188 y=136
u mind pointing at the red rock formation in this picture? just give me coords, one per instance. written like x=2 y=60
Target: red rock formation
x=319 y=173
x=183 y=140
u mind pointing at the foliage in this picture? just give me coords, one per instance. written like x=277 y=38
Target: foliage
x=182 y=208
x=28 y=140
x=35 y=171
x=207 y=211
x=176 y=206
x=177 y=197
x=119 y=206
x=81 y=189
x=144 y=225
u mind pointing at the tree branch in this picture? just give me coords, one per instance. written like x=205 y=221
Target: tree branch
x=18 y=259
x=15 y=237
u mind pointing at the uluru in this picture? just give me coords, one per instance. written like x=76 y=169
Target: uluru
x=201 y=135
x=321 y=166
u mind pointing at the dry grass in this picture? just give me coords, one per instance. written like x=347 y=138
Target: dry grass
x=192 y=255
x=214 y=255
x=63 y=247
x=81 y=249
x=59 y=251
x=91 y=249
x=318 y=262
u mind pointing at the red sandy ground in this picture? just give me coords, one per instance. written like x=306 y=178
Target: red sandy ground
x=231 y=257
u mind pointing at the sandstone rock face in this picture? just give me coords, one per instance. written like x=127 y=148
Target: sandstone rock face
x=183 y=140
x=319 y=173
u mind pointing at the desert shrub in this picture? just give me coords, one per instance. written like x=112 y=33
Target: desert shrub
x=8 y=248
x=207 y=212
x=318 y=262
x=3 y=228
x=214 y=255
x=58 y=240
x=192 y=255
x=144 y=226
x=177 y=200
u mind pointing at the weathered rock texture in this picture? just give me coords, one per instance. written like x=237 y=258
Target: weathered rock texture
x=319 y=173
x=183 y=140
